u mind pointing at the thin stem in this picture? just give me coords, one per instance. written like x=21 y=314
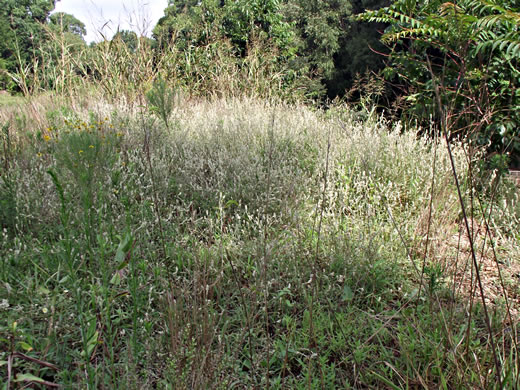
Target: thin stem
x=444 y=129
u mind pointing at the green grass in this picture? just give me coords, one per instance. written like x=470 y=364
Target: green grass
x=246 y=245
x=7 y=100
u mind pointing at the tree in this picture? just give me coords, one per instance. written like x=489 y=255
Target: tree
x=68 y=23
x=459 y=63
x=311 y=37
x=228 y=45
x=331 y=44
x=181 y=19
x=21 y=32
x=129 y=38
x=191 y=22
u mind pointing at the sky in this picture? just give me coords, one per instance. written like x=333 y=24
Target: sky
x=106 y=15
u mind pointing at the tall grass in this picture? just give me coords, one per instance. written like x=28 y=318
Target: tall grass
x=122 y=72
x=242 y=243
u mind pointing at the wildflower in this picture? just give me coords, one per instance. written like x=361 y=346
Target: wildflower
x=81 y=151
x=45 y=310
x=91 y=146
x=46 y=137
x=39 y=155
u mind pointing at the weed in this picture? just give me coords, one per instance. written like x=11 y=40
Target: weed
x=161 y=100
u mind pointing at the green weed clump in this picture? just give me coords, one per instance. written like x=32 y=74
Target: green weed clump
x=248 y=244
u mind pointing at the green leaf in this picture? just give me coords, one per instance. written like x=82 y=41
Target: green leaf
x=27 y=378
x=122 y=250
x=230 y=203
x=25 y=346
x=385 y=380
x=43 y=290
x=116 y=279
x=347 y=295
x=94 y=339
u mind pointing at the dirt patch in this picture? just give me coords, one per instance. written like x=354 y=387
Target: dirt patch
x=449 y=249
x=499 y=271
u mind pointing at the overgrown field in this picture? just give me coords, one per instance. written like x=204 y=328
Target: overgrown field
x=242 y=244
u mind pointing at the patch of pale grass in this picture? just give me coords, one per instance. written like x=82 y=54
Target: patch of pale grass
x=244 y=201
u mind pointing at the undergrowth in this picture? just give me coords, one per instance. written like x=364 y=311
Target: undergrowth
x=242 y=244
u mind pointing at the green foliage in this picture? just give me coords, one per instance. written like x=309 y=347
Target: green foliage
x=161 y=100
x=320 y=25
x=317 y=46
x=67 y=23
x=201 y=22
x=283 y=48
x=229 y=47
x=332 y=46
x=129 y=38
x=470 y=51
x=21 y=32
x=8 y=202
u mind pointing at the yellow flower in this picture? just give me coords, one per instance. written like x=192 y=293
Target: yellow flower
x=91 y=146
x=46 y=137
x=39 y=154
x=81 y=151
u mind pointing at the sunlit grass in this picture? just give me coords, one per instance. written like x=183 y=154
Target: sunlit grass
x=245 y=244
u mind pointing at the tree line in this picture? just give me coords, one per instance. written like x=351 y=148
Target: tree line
x=319 y=43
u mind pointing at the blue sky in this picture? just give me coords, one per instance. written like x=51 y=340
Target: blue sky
x=137 y=15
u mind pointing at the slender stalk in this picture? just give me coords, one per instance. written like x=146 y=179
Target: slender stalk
x=444 y=129
x=147 y=154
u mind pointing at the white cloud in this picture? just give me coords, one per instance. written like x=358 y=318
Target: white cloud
x=105 y=16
